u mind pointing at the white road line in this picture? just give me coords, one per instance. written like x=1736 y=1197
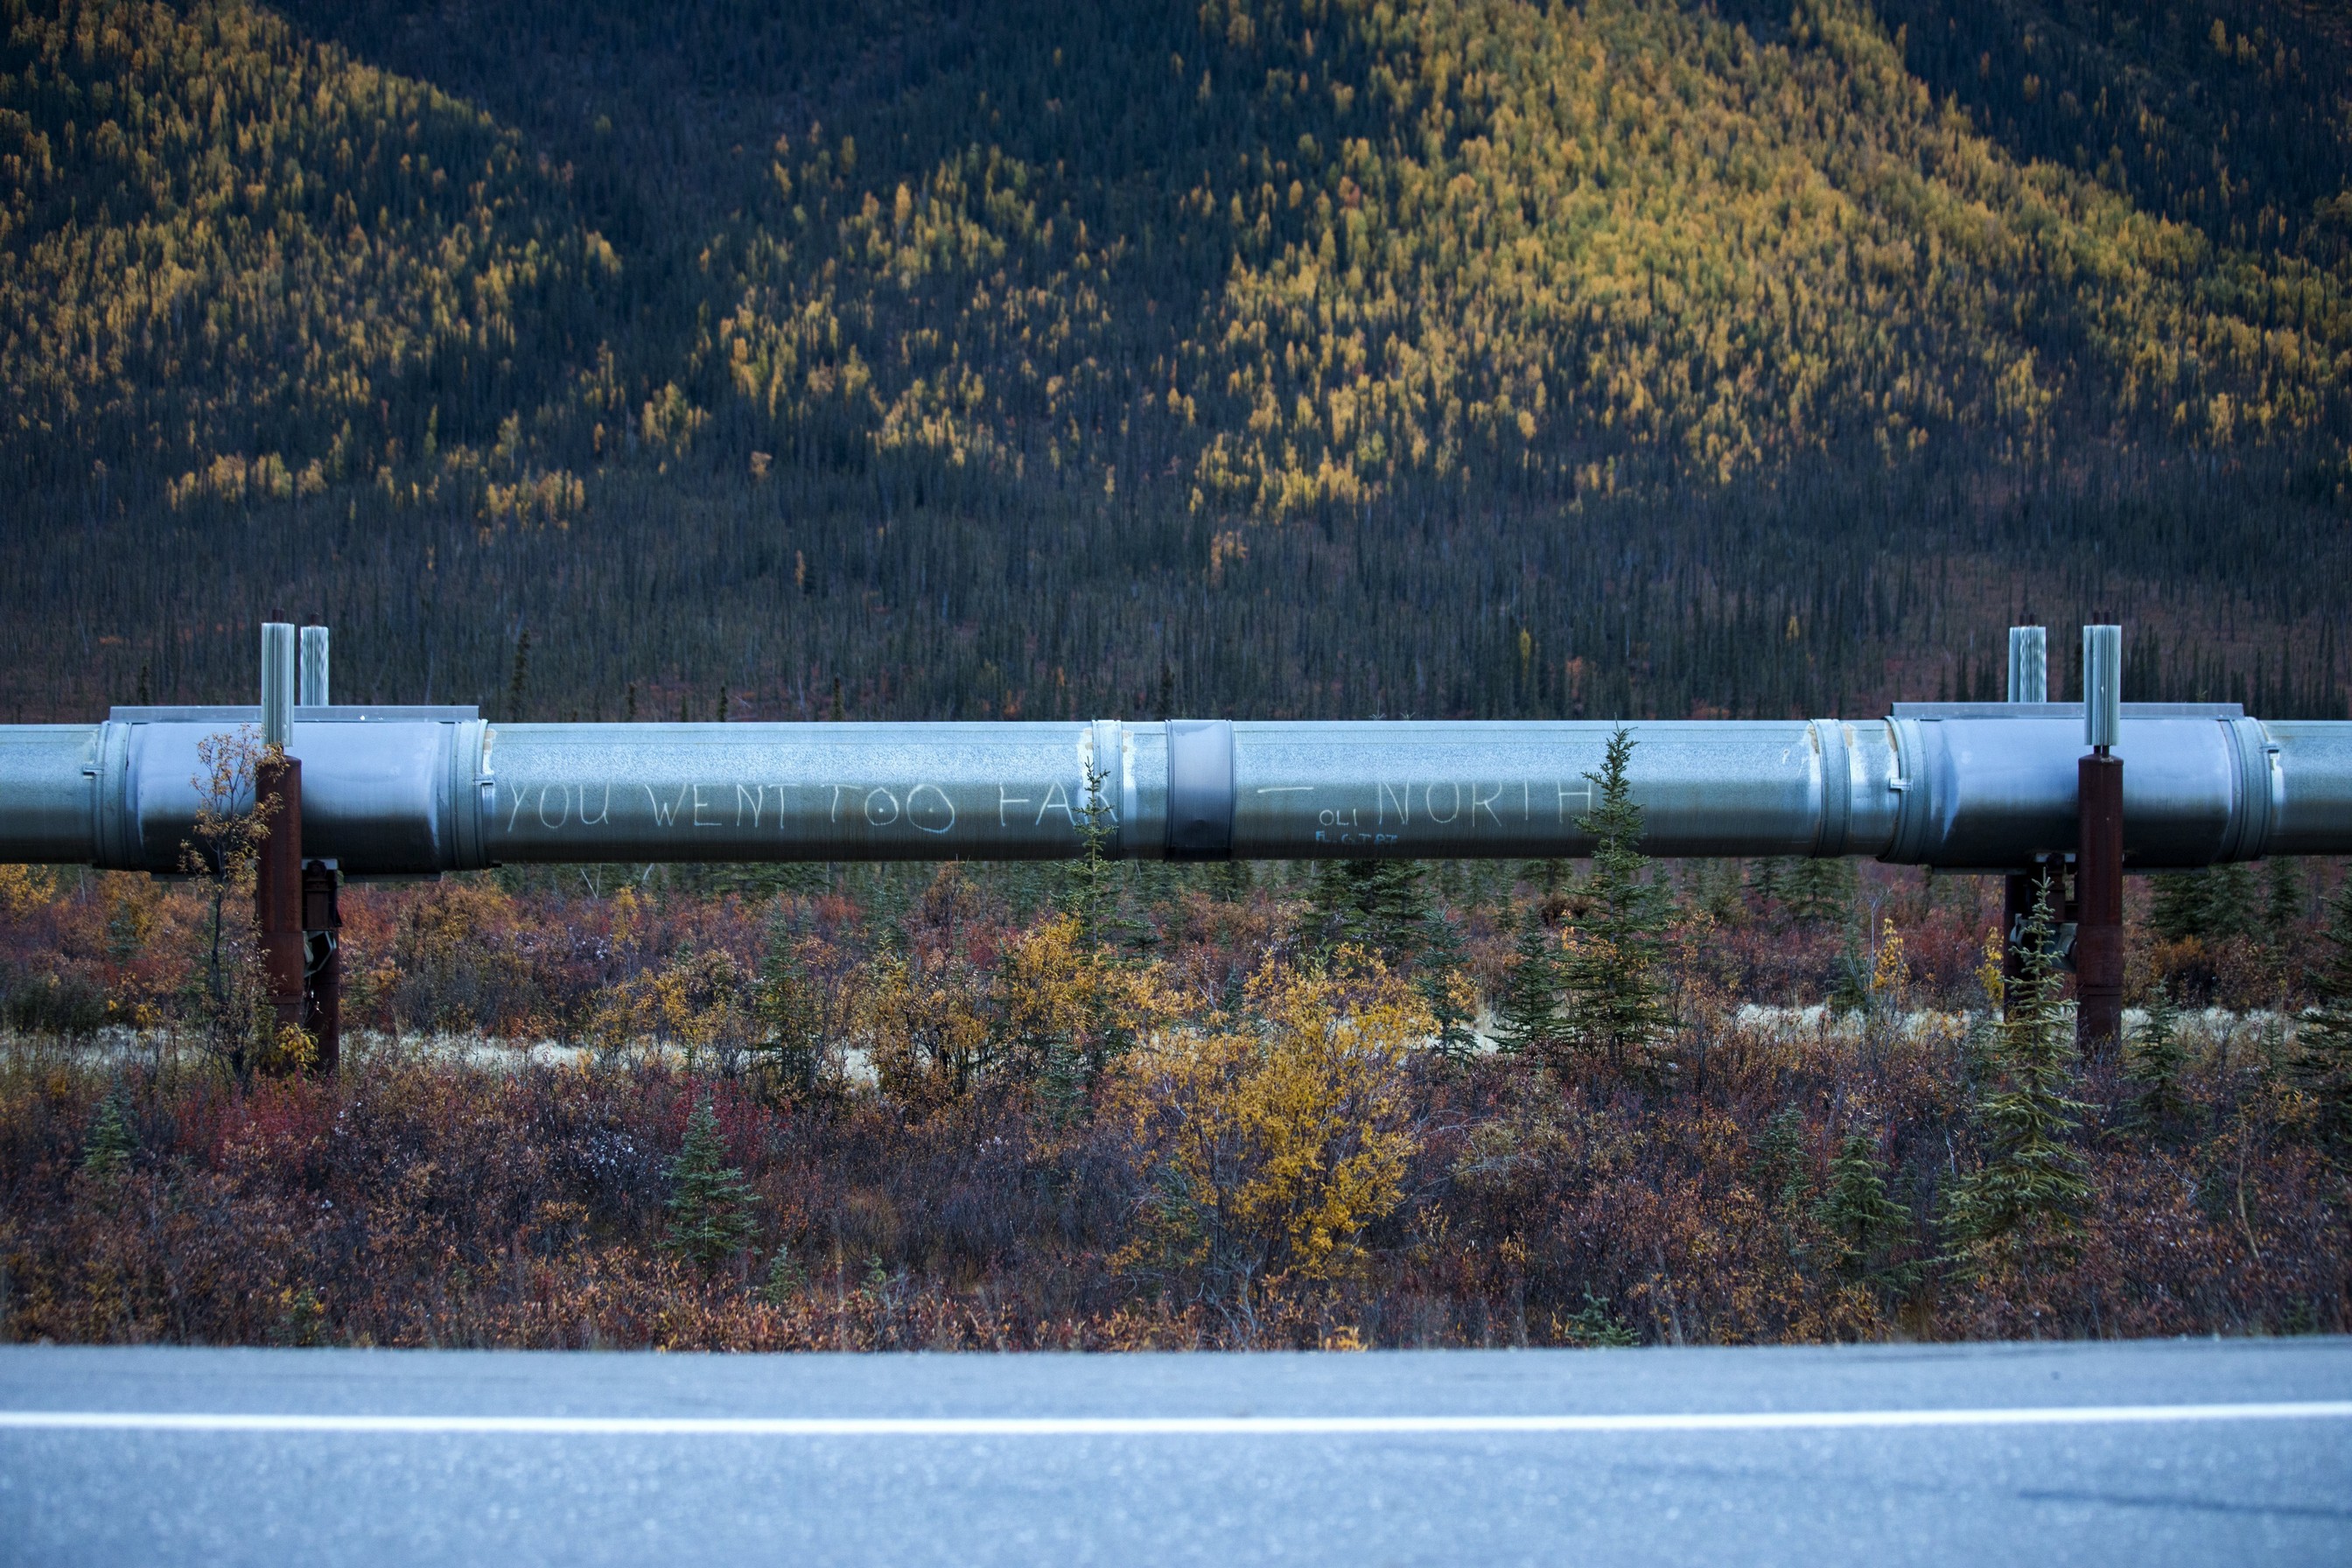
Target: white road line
x=1154 y=1426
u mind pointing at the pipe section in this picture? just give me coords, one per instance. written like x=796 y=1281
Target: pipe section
x=416 y=791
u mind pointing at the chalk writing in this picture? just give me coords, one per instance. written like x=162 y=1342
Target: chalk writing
x=1447 y=810
x=666 y=816
x=945 y=804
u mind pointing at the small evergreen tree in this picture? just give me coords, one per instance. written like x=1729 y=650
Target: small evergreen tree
x=1866 y=1223
x=1527 y=1015
x=1613 y=1002
x=1550 y=876
x=789 y=1012
x=1445 y=985
x=1100 y=886
x=2178 y=912
x=2232 y=903
x=2155 y=1058
x=2281 y=902
x=1818 y=891
x=1594 y=1327
x=786 y=1278
x=1851 y=995
x=1381 y=906
x=2211 y=905
x=710 y=1204
x=2032 y=1186
x=1397 y=911
x=2322 y=1054
x=1718 y=885
x=1778 y=1161
x=111 y=1145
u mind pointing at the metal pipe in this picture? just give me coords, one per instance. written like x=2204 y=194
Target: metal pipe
x=414 y=790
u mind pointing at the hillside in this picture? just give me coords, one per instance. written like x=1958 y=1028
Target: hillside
x=1304 y=357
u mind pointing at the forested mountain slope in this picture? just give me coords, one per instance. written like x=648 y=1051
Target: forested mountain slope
x=1311 y=356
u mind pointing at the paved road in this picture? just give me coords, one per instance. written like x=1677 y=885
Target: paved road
x=2144 y=1453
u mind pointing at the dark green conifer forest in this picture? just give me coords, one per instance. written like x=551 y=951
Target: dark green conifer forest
x=1269 y=357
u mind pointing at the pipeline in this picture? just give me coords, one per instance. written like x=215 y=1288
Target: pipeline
x=404 y=792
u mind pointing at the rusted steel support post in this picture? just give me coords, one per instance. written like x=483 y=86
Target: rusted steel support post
x=2099 y=851
x=278 y=798
x=278 y=886
x=2099 y=907
x=322 y=922
x=322 y=929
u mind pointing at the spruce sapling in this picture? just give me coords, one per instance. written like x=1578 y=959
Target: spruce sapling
x=1866 y=1223
x=111 y=1145
x=2155 y=1058
x=1527 y=1015
x=1446 y=987
x=710 y=1204
x=2033 y=1185
x=1613 y=1004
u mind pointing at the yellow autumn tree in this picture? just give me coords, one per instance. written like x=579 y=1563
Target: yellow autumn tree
x=1272 y=1138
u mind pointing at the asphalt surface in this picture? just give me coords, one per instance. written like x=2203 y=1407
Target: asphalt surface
x=2142 y=1454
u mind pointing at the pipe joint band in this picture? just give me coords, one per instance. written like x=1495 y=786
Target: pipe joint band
x=1837 y=789
x=2254 y=753
x=1199 y=789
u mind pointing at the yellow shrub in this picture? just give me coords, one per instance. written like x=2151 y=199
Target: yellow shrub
x=1275 y=1138
x=24 y=888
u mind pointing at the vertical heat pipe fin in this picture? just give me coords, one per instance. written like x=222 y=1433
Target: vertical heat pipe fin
x=314 y=667
x=278 y=682
x=2103 y=687
x=2028 y=664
